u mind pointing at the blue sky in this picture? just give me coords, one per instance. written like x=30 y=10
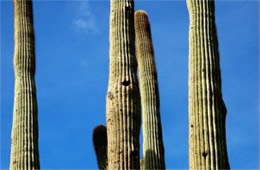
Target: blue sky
x=72 y=53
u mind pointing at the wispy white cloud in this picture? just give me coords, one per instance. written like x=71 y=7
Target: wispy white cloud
x=84 y=20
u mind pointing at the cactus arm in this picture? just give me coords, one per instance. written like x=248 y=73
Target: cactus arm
x=100 y=145
x=207 y=112
x=153 y=148
x=141 y=164
x=123 y=100
x=24 y=146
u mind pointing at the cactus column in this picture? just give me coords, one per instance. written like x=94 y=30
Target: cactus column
x=207 y=111
x=24 y=147
x=153 y=148
x=100 y=145
x=123 y=100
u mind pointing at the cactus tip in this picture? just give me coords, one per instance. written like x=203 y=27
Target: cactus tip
x=141 y=12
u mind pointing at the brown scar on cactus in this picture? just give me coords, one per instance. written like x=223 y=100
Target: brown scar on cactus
x=110 y=95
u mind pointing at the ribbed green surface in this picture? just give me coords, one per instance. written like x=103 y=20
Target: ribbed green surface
x=24 y=147
x=123 y=101
x=100 y=145
x=207 y=111
x=153 y=149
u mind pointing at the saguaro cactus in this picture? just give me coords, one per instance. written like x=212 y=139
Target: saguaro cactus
x=123 y=100
x=24 y=147
x=207 y=111
x=153 y=149
x=100 y=145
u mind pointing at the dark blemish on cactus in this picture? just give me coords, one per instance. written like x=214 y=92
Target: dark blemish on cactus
x=191 y=126
x=14 y=162
x=110 y=95
x=204 y=154
x=125 y=82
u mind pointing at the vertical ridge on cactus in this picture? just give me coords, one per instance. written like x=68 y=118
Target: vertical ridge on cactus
x=100 y=145
x=123 y=100
x=207 y=111
x=153 y=149
x=24 y=146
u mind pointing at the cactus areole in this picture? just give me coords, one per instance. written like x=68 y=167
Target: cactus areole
x=24 y=147
x=153 y=149
x=207 y=111
x=123 y=99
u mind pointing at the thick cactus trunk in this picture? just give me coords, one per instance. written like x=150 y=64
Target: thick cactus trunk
x=24 y=147
x=153 y=148
x=123 y=101
x=100 y=145
x=207 y=111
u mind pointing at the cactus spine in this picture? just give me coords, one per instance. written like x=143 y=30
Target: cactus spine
x=100 y=145
x=207 y=111
x=153 y=148
x=123 y=101
x=24 y=147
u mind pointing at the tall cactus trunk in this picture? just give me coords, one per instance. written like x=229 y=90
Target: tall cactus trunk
x=153 y=148
x=123 y=101
x=207 y=111
x=24 y=147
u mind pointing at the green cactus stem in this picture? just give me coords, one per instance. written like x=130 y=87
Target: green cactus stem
x=153 y=149
x=100 y=145
x=207 y=111
x=24 y=147
x=123 y=115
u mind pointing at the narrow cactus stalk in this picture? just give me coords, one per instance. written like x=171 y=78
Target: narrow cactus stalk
x=24 y=147
x=207 y=111
x=153 y=149
x=123 y=100
x=100 y=145
x=141 y=164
